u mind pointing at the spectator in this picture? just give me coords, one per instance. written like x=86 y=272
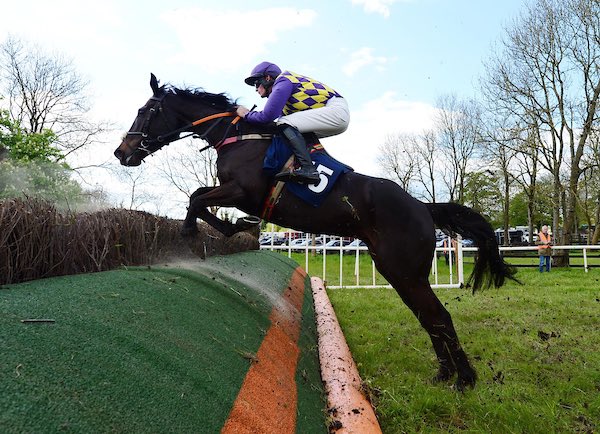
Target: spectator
x=544 y=248
x=447 y=250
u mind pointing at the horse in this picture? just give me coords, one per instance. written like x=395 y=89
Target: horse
x=398 y=229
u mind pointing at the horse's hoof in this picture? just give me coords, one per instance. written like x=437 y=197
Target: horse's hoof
x=243 y=224
x=465 y=381
x=188 y=231
x=443 y=375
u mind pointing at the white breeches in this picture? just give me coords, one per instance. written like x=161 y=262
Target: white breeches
x=323 y=121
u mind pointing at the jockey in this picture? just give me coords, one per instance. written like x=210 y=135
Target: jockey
x=300 y=105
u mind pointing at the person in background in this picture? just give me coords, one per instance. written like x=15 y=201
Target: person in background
x=450 y=246
x=544 y=248
x=298 y=104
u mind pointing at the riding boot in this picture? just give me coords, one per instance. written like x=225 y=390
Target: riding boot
x=306 y=173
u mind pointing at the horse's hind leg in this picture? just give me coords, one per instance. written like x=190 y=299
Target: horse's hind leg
x=438 y=323
x=434 y=318
x=400 y=233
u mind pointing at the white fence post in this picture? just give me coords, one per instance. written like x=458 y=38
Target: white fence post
x=434 y=266
x=357 y=266
x=460 y=262
x=450 y=259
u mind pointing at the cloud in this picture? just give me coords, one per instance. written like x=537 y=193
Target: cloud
x=371 y=123
x=223 y=40
x=66 y=18
x=361 y=58
x=381 y=7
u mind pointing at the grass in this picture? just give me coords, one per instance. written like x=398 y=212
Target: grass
x=536 y=348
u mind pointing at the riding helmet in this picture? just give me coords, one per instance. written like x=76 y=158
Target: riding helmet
x=261 y=70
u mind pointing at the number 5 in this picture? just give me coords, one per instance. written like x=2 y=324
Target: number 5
x=324 y=172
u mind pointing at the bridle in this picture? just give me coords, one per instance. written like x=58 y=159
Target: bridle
x=150 y=145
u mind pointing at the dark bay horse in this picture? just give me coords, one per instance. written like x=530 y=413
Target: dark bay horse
x=398 y=229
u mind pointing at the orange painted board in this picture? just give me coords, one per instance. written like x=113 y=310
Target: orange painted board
x=347 y=405
x=267 y=401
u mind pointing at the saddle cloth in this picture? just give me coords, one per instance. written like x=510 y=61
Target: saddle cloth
x=328 y=167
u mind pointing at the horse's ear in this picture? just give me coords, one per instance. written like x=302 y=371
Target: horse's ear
x=154 y=84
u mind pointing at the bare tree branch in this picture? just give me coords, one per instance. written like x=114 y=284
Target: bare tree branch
x=456 y=128
x=399 y=159
x=45 y=92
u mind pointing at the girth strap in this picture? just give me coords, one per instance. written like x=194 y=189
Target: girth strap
x=275 y=193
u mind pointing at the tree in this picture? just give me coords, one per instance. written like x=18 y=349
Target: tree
x=133 y=180
x=411 y=161
x=590 y=193
x=481 y=193
x=45 y=92
x=187 y=169
x=30 y=166
x=519 y=213
x=548 y=76
x=526 y=173
x=398 y=159
x=456 y=129
x=427 y=151
x=49 y=181
x=21 y=146
x=499 y=137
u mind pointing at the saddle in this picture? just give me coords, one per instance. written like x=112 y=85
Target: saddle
x=279 y=154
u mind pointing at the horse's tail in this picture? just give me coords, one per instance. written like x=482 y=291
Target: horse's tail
x=490 y=268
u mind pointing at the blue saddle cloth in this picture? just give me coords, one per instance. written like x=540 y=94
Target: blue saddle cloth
x=328 y=167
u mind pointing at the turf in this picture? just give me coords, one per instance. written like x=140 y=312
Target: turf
x=155 y=349
x=536 y=348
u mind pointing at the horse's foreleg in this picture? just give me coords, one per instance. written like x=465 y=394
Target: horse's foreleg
x=201 y=191
x=189 y=227
x=228 y=195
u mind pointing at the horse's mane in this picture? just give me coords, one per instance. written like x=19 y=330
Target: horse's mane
x=219 y=101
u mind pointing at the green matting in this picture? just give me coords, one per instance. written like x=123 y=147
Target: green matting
x=146 y=349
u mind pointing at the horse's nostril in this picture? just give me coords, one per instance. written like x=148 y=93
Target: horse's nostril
x=118 y=154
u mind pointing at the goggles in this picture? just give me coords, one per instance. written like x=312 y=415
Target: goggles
x=265 y=83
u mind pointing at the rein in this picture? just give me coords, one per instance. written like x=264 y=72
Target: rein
x=166 y=138
x=173 y=136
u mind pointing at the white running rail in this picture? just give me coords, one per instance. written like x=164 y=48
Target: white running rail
x=455 y=261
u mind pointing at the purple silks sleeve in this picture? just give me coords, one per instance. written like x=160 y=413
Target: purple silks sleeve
x=281 y=92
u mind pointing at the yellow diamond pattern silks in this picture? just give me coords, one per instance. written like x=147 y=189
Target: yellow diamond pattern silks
x=309 y=93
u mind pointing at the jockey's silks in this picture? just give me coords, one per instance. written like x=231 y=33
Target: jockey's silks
x=308 y=93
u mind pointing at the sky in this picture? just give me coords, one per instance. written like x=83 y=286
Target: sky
x=391 y=59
